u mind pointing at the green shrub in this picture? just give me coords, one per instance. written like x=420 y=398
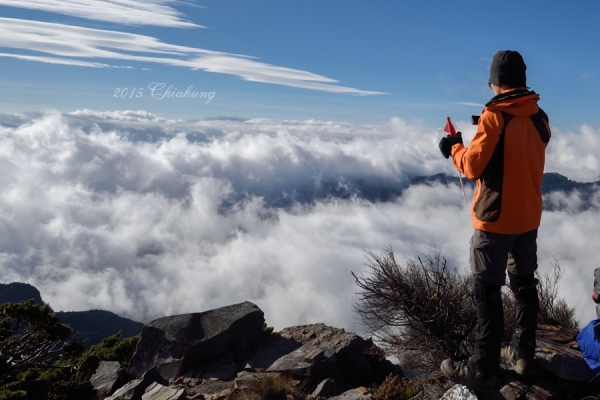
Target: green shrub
x=112 y=348
x=266 y=330
x=30 y=390
x=12 y=391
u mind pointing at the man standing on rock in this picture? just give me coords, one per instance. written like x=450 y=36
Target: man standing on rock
x=506 y=157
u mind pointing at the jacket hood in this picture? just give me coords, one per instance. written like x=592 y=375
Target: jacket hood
x=518 y=102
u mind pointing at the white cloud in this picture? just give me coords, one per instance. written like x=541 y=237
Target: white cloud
x=130 y=12
x=176 y=224
x=62 y=61
x=139 y=116
x=575 y=154
x=470 y=104
x=73 y=42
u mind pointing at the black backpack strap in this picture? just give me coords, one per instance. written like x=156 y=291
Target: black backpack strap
x=507 y=118
x=538 y=121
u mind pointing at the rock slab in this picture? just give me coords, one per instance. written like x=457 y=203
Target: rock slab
x=318 y=351
x=106 y=379
x=127 y=392
x=156 y=391
x=352 y=394
x=326 y=388
x=554 y=354
x=174 y=344
x=135 y=389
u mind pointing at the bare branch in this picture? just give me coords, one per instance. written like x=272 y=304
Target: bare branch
x=423 y=311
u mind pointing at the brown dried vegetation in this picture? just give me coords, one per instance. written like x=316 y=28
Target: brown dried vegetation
x=424 y=312
x=271 y=387
x=398 y=388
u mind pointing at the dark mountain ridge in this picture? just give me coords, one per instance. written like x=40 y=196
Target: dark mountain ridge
x=378 y=189
x=552 y=182
x=89 y=326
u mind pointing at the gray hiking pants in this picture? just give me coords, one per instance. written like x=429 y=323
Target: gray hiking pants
x=491 y=255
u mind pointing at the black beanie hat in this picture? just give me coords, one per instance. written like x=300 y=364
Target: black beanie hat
x=508 y=68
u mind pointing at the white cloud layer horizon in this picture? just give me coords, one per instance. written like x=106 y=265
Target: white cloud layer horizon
x=143 y=216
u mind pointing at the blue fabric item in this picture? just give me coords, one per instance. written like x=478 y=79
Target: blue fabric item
x=590 y=345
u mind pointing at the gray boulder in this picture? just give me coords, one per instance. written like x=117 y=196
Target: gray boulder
x=174 y=344
x=319 y=351
x=106 y=379
x=135 y=389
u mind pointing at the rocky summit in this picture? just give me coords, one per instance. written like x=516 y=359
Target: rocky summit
x=174 y=344
x=222 y=354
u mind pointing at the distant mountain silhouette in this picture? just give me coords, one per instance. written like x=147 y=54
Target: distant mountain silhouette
x=96 y=325
x=382 y=189
x=440 y=178
x=91 y=326
x=556 y=182
x=17 y=291
x=552 y=182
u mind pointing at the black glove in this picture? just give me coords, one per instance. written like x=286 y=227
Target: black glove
x=447 y=143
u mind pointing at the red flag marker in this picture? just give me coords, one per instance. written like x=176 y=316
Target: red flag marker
x=449 y=127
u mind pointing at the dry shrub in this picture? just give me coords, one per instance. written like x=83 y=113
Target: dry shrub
x=553 y=310
x=420 y=310
x=397 y=388
x=424 y=312
x=271 y=387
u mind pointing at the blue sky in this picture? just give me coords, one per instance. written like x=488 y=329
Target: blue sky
x=335 y=60
x=149 y=207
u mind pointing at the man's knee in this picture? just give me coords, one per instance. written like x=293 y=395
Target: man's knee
x=524 y=255
x=524 y=287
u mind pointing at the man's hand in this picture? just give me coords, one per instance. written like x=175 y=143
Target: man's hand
x=447 y=143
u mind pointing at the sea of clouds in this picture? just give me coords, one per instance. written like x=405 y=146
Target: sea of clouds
x=146 y=217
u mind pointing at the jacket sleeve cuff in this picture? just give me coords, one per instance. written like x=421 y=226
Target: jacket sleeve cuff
x=456 y=148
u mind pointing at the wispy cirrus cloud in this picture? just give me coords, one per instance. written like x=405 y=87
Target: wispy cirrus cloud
x=469 y=104
x=74 y=42
x=62 y=61
x=128 y=12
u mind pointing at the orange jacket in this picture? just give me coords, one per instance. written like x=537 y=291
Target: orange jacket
x=506 y=157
